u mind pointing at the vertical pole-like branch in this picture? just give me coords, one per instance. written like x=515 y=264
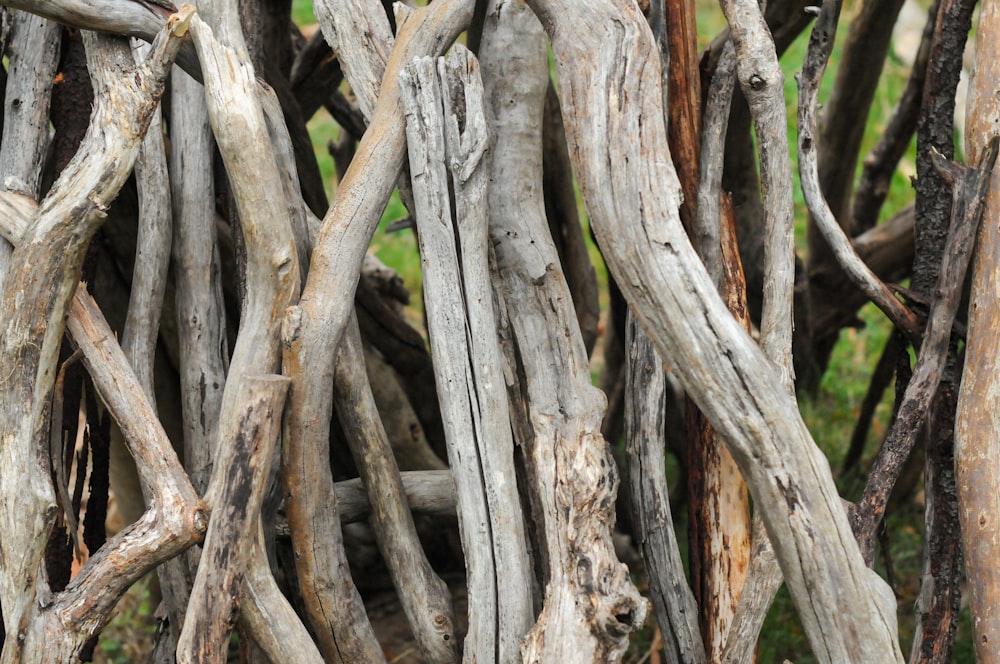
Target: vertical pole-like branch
x=34 y=56
x=201 y=317
x=446 y=119
x=977 y=430
x=835 y=239
x=762 y=82
x=720 y=509
x=152 y=253
x=44 y=273
x=645 y=415
x=213 y=609
x=313 y=330
x=590 y=605
x=425 y=598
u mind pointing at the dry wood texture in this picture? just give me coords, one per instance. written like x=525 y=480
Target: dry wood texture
x=43 y=272
x=744 y=395
x=977 y=439
x=445 y=117
x=206 y=251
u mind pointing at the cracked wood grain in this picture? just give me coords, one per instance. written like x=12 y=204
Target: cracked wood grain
x=43 y=275
x=448 y=141
x=633 y=209
x=313 y=330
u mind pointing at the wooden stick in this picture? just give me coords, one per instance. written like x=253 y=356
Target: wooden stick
x=43 y=276
x=676 y=610
x=313 y=330
x=464 y=346
x=632 y=196
x=762 y=82
x=212 y=609
x=425 y=598
x=977 y=440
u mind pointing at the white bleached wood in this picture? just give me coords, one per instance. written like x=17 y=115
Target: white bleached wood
x=358 y=31
x=590 y=604
x=43 y=276
x=459 y=304
x=632 y=194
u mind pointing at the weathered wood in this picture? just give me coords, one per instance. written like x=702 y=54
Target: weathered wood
x=143 y=20
x=313 y=330
x=977 y=437
x=720 y=512
x=162 y=482
x=427 y=491
x=358 y=31
x=940 y=597
x=33 y=56
x=410 y=446
x=266 y=615
x=425 y=598
x=201 y=316
x=836 y=240
x=564 y=220
x=862 y=59
x=683 y=89
x=43 y=275
x=970 y=187
x=645 y=415
x=445 y=116
x=631 y=193
x=213 y=608
x=706 y=233
x=590 y=605
x=762 y=82
x=152 y=253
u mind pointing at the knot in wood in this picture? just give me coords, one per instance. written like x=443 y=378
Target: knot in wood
x=757 y=82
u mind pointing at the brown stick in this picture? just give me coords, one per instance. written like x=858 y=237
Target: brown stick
x=977 y=442
x=970 y=190
x=212 y=610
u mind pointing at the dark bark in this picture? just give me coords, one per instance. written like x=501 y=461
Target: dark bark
x=969 y=187
x=881 y=162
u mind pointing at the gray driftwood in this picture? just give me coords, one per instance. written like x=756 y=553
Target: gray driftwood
x=43 y=275
x=449 y=142
x=33 y=57
x=313 y=330
x=425 y=598
x=235 y=520
x=645 y=415
x=590 y=605
x=632 y=194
